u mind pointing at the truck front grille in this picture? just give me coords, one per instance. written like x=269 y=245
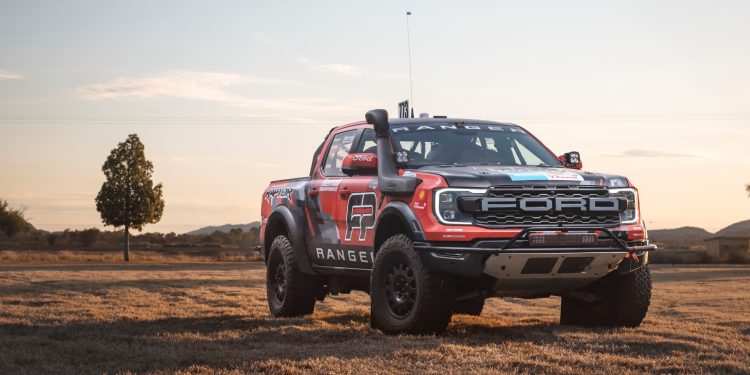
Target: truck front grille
x=523 y=219
x=518 y=218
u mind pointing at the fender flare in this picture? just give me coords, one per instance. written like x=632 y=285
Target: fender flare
x=295 y=229
x=404 y=212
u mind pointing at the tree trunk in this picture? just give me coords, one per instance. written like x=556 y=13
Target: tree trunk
x=127 y=244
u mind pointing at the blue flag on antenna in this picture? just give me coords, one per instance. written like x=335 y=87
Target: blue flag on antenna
x=408 y=13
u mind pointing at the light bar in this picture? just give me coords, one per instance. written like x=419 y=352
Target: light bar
x=564 y=239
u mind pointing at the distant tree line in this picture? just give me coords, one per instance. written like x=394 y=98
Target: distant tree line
x=15 y=230
x=94 y=238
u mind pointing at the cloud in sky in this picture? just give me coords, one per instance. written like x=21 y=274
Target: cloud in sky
x=199 y=85
x=179 y=84
x=642 y=153
x=4 y=74
x=340 y=69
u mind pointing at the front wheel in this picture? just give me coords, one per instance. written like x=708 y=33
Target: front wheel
x=624 y=301
x=405 y=296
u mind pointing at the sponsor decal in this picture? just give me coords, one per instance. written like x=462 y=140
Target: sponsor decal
x=498 y=128
x=454 y=236
x=533 y=175
x=410 y=174
x=362 y=157
x=360 y=215
x=278 y=193
x=330 y=185
x=354 y=256
x=420 y=204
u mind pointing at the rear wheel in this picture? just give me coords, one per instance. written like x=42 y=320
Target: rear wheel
x=470 y=306
x=405 y=296
x=624 y=302
x=289 y=292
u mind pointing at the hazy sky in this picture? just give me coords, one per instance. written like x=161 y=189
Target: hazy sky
x=228 y=95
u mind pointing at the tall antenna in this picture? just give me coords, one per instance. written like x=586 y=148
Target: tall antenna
x=408 y=43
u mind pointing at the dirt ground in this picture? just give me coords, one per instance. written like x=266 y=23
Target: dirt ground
x=212 y=318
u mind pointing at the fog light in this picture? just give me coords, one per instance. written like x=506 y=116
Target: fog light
x=449 y=215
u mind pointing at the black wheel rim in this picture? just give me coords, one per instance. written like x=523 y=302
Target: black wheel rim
x=400 y=290
x=278 y=282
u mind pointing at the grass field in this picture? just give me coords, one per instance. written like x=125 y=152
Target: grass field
x=212 y=318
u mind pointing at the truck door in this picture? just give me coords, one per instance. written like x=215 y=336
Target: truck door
x=357 y=210
x=323 y=232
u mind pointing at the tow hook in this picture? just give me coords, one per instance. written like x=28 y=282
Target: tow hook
x=633 y=257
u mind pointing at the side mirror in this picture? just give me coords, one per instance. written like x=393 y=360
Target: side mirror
x=571 y=160
x=363 y=164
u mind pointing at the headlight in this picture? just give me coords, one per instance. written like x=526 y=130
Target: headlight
x=630 y=215
x=446 y=207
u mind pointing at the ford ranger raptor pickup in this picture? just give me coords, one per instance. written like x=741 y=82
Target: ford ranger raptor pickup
x=431 y=216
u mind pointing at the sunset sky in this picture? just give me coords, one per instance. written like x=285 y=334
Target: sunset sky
x=229 y=95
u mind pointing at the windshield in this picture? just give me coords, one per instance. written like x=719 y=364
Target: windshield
x=430 y=144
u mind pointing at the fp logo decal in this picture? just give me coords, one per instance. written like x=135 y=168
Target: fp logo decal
x=360 y=214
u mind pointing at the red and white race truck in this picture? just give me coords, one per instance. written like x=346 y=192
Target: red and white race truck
x=431 y=216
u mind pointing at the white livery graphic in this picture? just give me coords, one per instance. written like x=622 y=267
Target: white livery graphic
x=360 y=215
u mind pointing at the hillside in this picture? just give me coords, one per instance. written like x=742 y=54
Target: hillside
x=224 y=228
x=679 y=234
x=737 y=229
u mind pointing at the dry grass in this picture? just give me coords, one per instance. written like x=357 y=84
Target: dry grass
x=212 y=318
x=93 y=256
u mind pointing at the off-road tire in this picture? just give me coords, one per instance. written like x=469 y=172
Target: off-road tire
x=296 y=297
x=405 y=296
x=471 y=306
x=624 y=302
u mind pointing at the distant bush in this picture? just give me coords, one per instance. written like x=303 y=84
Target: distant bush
x=12 y=220
x=88 y=237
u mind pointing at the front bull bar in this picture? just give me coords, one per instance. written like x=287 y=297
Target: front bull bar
x=512 y=247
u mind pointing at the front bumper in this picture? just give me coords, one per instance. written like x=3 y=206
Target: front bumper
x=518 y=267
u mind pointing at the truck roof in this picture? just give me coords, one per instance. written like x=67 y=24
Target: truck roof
x=428 y=120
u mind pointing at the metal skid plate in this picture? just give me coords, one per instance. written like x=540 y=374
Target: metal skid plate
x=544 y=273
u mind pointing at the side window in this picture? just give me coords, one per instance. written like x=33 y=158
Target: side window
x=367 y=144
x=341 y=145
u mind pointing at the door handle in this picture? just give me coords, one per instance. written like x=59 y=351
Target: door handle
x=345 y=193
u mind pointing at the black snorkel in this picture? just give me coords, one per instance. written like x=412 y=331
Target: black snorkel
x=388 y=179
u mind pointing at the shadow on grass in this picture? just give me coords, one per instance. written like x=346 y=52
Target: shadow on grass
x=99 y=287
x=250 y=343
x=217 y=266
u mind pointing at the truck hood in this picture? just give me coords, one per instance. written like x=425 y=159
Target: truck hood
x=487 y=176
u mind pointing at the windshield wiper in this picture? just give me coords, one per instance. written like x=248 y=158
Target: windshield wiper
x=447 y=165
